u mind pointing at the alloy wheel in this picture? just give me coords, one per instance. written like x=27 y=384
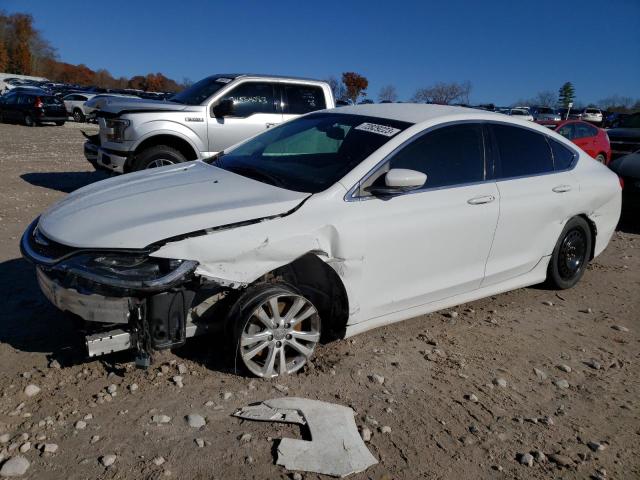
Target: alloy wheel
x=280 y=336
x=159 y=162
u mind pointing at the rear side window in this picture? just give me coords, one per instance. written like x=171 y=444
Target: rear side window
x=583 y=130
x=448 y=156
x=252 y=97
x=521 y=152
x=303 y=99
x=562 y=156
x=567 y=131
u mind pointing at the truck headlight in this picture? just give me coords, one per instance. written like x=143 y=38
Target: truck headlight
x=129 y=270
x=115 y=129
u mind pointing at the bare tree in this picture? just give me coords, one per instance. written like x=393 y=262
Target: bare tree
x=616 y=102
x=337 y=88
x=388 y=94
x=546 y=98
x=444 y=93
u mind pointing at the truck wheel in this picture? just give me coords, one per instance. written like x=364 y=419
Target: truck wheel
x=158 y=156
x=78 y=116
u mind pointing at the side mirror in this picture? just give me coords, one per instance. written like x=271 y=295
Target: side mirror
x=224 y=108
x=399 y=180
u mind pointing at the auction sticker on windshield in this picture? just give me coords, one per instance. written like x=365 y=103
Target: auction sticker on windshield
x=379 y=129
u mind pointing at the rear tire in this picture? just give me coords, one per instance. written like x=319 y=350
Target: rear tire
x=570 y=255
x=269 y=345
x=28 y=120
x=78 y=116
x=158 y=156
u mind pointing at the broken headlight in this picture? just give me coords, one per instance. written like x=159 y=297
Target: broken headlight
x=130 y=271
x=116 y=128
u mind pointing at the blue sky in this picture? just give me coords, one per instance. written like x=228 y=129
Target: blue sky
x=508 y=50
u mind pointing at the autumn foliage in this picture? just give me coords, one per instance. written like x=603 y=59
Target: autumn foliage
x=355 y=85
x=24 y=51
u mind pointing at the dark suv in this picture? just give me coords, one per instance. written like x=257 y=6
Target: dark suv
x=32 y=108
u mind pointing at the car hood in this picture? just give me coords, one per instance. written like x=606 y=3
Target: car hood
x=627 y=166
x=117 y=105
x=138 y=209
x=624 y=133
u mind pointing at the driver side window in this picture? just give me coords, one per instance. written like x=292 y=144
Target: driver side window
x=449 y=156
x=252 y=97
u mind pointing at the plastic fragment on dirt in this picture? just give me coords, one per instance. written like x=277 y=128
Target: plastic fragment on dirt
x=336 y=448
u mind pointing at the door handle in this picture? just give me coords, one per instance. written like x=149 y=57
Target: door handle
x=269 y=125
x=562 y=188
x=481 y=200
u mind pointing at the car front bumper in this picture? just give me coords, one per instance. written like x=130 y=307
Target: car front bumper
x=104 y=159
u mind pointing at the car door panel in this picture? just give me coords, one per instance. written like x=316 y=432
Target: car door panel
x=256 y=110
x=433 y=243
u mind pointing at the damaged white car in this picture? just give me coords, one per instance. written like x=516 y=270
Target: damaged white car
x=325 y=226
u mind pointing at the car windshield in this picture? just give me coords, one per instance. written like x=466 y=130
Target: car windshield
x=311 y=153
x=518 y=112
x=200 y=91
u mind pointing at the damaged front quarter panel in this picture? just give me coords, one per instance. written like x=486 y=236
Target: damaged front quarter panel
x=236 y=257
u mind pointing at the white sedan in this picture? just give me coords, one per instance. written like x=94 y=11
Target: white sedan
x=326 y=226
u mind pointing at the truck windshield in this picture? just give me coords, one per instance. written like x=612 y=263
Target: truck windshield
x=311 y=153
x=200 y=91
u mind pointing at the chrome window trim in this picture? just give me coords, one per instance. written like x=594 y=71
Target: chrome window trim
x=352 y=196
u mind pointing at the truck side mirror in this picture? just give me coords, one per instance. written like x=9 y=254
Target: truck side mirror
x=223 y=108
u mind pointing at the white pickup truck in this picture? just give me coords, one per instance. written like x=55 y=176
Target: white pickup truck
x=211 y=115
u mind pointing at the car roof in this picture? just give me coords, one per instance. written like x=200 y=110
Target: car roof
x=263 y=75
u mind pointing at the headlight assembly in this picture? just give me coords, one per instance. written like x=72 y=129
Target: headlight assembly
x=130 y=271
x=115 y=129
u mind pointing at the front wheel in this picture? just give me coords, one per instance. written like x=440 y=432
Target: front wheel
x=78 y=116
x=570 y=255
x=274 y=330
x=158 y=156
x=28 y=121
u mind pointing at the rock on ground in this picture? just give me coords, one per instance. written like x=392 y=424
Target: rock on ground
x=15 y=467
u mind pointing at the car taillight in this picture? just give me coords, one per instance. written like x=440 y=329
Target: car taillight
x=38 y=103
x=621 y=182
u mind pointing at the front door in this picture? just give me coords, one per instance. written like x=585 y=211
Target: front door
x=431 y=243
x=255 y=110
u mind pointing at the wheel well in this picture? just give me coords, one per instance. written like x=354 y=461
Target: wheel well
x=321 y=284
x=594 y=233
x=77 y=109
x=170 y=141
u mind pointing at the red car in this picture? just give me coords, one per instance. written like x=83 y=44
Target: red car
x=592 y=140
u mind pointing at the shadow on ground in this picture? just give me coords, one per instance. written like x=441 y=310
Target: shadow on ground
x=64 y=181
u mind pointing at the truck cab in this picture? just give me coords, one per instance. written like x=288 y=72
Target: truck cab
x=211 y=115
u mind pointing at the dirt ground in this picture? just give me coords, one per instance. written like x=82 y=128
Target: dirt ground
x=444 y=398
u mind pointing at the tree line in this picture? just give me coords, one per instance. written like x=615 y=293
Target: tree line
x=24 y=51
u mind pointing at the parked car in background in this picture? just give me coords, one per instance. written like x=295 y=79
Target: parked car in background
x=612 y=119
x=545 y=114
x=98 y=101
x=628 y=169
x=589 y=138
x=31 y=107
x=521 y=113
x=211 y=115
x=75 y=104
x=625 y=138
x=296 y=232
x=592 y=115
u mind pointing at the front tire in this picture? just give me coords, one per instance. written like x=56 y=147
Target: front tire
x=570 y=255
x=158 y=156
x=29 y=121
x=274 y=330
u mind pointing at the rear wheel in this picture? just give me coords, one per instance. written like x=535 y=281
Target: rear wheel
x=274 y=330
x=158 y=156
x=570 y=255
x=601 y=158
x=78 y=116
x=28 y=120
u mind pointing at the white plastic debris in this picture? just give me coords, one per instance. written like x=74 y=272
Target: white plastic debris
x=335 y=448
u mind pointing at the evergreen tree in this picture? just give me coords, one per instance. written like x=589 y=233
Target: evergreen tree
x=566 y=95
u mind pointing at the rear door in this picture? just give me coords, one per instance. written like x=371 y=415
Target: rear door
x=298 y=99
x=256 y=108
x=536 y=199
x=9 y=106
x=585 y=137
